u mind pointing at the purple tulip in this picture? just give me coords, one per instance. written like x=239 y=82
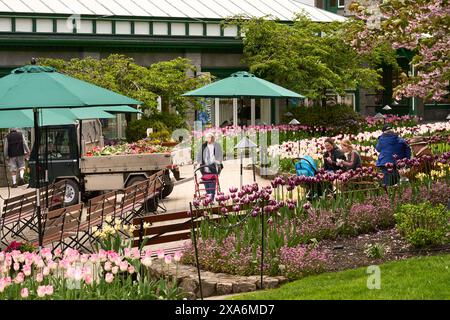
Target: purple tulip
x=307 y=206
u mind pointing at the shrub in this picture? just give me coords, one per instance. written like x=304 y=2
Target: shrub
x=423 y=224
x=301 y=261
x=319 y=224
x=162 y=124
x=339 y=118
x=375 y=251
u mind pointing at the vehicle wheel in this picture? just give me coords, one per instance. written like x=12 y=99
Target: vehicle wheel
x=72 y=193
x=135 y=180
x=168 y=186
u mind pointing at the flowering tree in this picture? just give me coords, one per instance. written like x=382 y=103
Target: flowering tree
x=421 y=26
x=308 y=57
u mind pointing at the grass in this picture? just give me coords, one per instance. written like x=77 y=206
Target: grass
x=416 y=278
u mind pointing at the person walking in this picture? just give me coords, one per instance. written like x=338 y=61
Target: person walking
x=353 y=160
x=16 y=151
x=332 y=155
x=391 y=148
x=210 y=157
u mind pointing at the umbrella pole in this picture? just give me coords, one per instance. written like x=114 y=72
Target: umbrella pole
x=80 y=154
x=37 y=142
x=46 y=167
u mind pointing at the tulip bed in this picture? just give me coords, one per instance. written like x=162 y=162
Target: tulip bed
x=294 y=226
x=115 y=271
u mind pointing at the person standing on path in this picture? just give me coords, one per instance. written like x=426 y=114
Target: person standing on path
x=210 y=158
x=391 y=148
x=16 y=150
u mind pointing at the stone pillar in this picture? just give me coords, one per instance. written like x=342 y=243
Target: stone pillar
x=217 y=112
x=235 y=112
x=265 y=111
x=252 y=112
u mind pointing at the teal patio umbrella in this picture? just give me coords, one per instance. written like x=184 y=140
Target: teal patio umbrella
x=242 y=84
x=38 y=88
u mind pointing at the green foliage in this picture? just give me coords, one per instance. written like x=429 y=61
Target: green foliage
x=375 y=251
x=119 y=73
x=295 y=56
x=337 y=119
x=116 y=72
x=162 y=123
x=422 y=224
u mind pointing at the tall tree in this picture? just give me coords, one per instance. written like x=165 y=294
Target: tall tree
x=421 y=26
x=119 y=73
x=308 y=57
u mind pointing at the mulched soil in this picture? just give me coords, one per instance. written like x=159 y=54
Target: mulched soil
x=348 y=253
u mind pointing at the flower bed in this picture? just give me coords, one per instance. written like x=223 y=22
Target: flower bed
x=295 y=227
x=106 y=274
x=141 y=147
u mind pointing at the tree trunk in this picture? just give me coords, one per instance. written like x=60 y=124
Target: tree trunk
x=165 y=106
x=324 y=99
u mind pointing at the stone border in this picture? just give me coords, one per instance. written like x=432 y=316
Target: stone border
x=213 y=284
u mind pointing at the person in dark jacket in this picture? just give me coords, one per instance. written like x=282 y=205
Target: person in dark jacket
x=332 y=155
x=16 y=150
x=211 y=156
x=391 y=148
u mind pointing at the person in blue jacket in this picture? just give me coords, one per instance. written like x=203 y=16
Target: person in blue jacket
x=391 y=148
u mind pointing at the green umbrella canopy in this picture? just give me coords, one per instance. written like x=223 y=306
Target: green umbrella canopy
x=242 y=84
x=60 y=116
x=24 y=118
x=42 y=87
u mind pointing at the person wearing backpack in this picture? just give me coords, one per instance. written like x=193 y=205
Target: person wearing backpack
x=391 y=148
x=210 y=158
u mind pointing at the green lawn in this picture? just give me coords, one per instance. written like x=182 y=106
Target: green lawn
x=417 y=278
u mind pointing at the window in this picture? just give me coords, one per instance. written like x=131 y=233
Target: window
x=341 y=3
x=58 y=144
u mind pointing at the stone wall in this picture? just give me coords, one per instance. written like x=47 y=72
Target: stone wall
x=213 y=284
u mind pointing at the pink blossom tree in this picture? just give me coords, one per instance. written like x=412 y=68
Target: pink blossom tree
x=421 y=26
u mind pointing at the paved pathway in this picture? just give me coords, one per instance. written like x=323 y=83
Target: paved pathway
x=230 y=177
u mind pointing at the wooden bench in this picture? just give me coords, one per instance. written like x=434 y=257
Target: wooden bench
x=124 y=204
x=19 y=212
x=98 y=209
x=175 y=226
x=61 y=227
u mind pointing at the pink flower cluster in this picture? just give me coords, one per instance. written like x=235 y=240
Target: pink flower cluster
x=300 y=261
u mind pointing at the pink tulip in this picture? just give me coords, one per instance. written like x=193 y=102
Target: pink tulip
x=24 y=293
x=177 y=256
x=160 y=253
x=41 y=291
x=39 y=277
x=49 y=290
x=109 y=277
x=168 y=259
x=131 y=269
x=123 y=266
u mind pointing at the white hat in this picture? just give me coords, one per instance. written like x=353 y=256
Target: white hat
x=210 y=135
